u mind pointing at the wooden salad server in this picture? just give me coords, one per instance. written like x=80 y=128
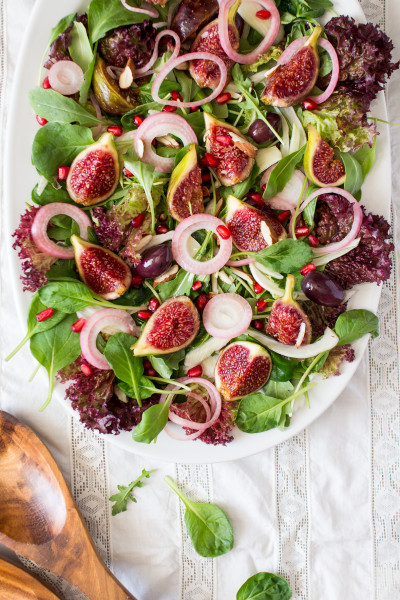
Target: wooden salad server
x=39 y=518
x=15 y=583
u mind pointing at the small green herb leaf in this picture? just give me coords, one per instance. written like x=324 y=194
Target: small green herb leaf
x=353 y=324
x=66 y=296
x=126 y=366
x=154 y=419
x=282 y=173
x=286 y=256
x=125 y=493
x=366 y=157
x=145 y=174
x=104 y=15
x=354 y=174
x=264 y=586
x=54 y=107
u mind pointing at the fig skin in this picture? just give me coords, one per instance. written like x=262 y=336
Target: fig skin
x=185 y=192
x=242 y=368
x=102 y=270
x=236 y=160
x=286 y=317
x=290 y=83
x=111 y=98
x=320 y=164
x=244 y=223
x=191 y=15
x=173 y=326
x=94 y=173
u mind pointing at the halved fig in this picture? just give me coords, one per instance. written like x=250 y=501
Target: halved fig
x=205 y=72
x=233 y=154
x=94 y=173
x=289 y=83
x=185 y=192
x=173 y=326
x=102 y=270
x=111 y=98
x=191 y=15
x=242 y=368
x=252 y=230
x=320 y=164
x=288 y=323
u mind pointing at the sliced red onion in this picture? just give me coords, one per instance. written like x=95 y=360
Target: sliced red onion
x=151 y=11
x=143 y=70
x=227 y=315
x=326 y=45
x=41 y=222
x=325 y=343
x=240 y=263
x=180 y=245
x=223 y=21
x=114 y=72
x=65 y=77
x=172 y=64
x=107 y=317
x=184 y=422
x=158 y=125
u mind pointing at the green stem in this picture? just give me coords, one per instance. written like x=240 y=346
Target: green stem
x=170 y=382
x=49 y=395
x=36 y=369
x=308 y=370
x=169 y=481
x=153 y=291
x=20 y=345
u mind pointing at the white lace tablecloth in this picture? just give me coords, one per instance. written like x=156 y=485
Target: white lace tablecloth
x=322 y=509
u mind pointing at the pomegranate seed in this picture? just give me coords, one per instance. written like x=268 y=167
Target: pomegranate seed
x=258 y=288
x=309 y=104
x=144 y=314
x=201 y=301
x=206 y=177
x=313 y=240
x=137 y=281
x=263 y=14
x=223 y=98
x=46 y=84
x=195 y=371
x=261 y=305
x=209 y=160
x=147 y=364
x=115 y=130
x=302 y=231
x=45 y=314
x=307 y=268
x=162 y=229
x=223 y=232
x=151 y=372
x=138 y=220
x=127 y=173
x=194 y=108
x=63 y=172
x=197 y=286
x=154 y=143
x=153 y=304
x=162 y=217
x=283 y=216
x=41 y=120
x=138 y=120
x=258 y=325
x=224 y=140
x=257 y=198
x=78 y=325
x=169 y=108
x=86 y=369
x=175 y=95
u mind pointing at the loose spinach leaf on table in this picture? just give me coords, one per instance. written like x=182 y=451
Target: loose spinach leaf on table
x=126 y=366
x=264 y=586
x=55 y=349
x=125 y=493
x=353 y=324
x=286 y=256
x=104 y=15
x=54 y=107
x=207 y=524
x=282 y=173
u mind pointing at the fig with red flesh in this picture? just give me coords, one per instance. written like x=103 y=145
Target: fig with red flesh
x=102 y=270
x=320 y=164
x=185 y=192
x=289 y=83
x=94 y=173
x=173 y=326
x=245 y=224
x=234 y=155
x=191 y=15
x=242 y=368
x=287 y=322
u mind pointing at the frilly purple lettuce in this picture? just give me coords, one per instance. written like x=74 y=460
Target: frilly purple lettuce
x=220 y=432
x=135 y=42
x=59 y=48
x=336 y=357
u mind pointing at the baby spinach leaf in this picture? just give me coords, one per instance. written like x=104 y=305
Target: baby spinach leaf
x=80 y=48
x=104 y=15
x=54 y=107
x=309 y=211
x=49 y=195
x=353 y=324
x=145 y=174
x=84 y=88
x=57 y=144
x=207 y=524
x=66 y=296
x=143 y=392
x=126 y=366
x=285 y=256
x=125 y=493
x=282 y=367
x=56 y=348
x=282 y=172
x=354 y=174
x=366 y=157
x=167 y=364
x=264 y=586
x=154 y=419
x=61 y=27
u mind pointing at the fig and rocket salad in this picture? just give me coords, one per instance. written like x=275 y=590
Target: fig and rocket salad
x=198 y=222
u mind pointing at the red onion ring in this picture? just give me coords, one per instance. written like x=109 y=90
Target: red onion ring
x=180 y=240
x=151 y=12
x=143 y=70
x=171 y=64
x=223 y=20
x=65 y=77
x=240 y=263
x=227 y=315
x=41 y=222
x=107 y=317
x=158 y=125
x=183 y=422
x=326 y=45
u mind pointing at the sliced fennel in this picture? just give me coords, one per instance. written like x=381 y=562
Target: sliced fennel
x=325 y=343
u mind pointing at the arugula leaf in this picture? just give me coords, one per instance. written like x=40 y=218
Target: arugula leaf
x=104 y=15
x=126 y=366
x=286 y=256
x=353 y=324
x=145 y=174
x=54 y=107
x=309 y=211
x=354 y=174
x=80 y=48
x=154 y=419
x=282 y=173
x=207 y=524
x=56 y=348
x=61 y=26
x=58 y=144
x=264 y=586
x=125 y=493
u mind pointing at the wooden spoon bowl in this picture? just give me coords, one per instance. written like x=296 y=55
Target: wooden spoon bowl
x=39 y=518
